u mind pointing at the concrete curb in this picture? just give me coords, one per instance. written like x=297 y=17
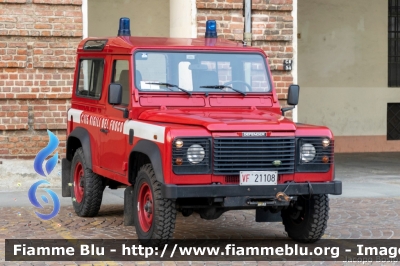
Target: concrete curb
x=19 y=175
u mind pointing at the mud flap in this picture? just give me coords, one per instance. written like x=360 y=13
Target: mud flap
x=263 y=215
x=128 y=206
x=65 y=177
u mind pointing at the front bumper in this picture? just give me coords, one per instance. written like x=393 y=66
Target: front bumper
x=221 y=191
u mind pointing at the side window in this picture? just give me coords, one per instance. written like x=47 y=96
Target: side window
x=90 y=79
x=121 y=76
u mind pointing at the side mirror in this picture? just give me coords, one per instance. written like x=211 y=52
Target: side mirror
x=293 y=95
x=292 y=99
x=115 y=98
x=115 y=94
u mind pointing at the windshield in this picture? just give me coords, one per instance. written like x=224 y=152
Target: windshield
x=201 y=72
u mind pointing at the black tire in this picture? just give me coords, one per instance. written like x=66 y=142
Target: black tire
x=88 y=201
x=160 y=228
x=308 y=224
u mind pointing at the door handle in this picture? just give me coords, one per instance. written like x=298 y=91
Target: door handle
x=104 y=130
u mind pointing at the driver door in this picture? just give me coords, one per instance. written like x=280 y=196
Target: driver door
x=114 y=153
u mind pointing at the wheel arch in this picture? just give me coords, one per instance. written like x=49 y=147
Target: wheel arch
x=79 y=137
x=144 y=152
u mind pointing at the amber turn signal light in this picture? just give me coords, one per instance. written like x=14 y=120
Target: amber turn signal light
x=178 y=161
x=325 y=159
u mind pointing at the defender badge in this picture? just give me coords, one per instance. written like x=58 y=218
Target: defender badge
x=276 y=163
x=254 y=134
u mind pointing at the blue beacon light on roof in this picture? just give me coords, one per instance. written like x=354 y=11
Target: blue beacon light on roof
x=211 y=29
x=124 y=27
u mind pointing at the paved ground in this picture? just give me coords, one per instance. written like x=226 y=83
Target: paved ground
x=369 y=208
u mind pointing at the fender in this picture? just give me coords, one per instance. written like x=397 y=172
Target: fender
x=83 y=135
x=153 y=152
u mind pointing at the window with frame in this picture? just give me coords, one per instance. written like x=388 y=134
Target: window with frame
x=394 y=43
x=201 y=72
x=90 y=81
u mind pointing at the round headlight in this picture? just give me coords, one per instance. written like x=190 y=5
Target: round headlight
x=307 y=152
x=196 y=153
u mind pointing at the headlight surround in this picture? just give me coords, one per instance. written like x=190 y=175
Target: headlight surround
x=307 y=152
x=196 y=154
x=191 y=155
x=314 y=154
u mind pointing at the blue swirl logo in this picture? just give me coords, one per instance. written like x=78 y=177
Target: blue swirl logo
x=42 y=155
x=36 y=203
x=38 y=166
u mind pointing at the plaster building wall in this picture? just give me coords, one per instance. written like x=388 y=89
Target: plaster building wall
x=183 y=22
x=343 y=71
x=148 y=18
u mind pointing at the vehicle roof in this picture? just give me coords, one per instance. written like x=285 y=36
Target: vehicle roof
x=127 y=44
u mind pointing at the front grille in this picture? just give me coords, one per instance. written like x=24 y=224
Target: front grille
x=232 y=155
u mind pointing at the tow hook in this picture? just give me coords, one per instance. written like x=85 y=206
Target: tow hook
x=281 y=199
x=281 y=196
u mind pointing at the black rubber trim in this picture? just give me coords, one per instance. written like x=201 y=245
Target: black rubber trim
x=83 y=135
x=65 y=177
x=211 y=191
x=129 y=207
x=131 y=134
x=153 y=152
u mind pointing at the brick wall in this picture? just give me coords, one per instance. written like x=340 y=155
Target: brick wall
x=38 y=40
x=272 y=29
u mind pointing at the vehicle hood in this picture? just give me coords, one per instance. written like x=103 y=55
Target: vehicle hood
x=217 y=120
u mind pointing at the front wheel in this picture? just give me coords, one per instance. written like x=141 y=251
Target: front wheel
x=307 y=219
x=154 y=216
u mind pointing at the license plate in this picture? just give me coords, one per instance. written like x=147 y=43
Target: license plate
x=258 y=178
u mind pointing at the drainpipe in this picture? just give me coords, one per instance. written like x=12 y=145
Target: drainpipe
x=247 y=22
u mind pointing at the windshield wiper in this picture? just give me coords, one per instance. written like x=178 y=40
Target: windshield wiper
x=222 y=87
x=168 y=85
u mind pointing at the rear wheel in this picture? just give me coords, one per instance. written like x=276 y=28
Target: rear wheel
x=307 y=219
x=154 y=216
x=87 y=187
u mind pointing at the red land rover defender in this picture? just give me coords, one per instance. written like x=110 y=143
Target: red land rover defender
x=191 y=125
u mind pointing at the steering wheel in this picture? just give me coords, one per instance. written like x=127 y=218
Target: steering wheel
x=249 y=88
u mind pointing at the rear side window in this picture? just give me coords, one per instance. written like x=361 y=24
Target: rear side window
x=90 y=79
